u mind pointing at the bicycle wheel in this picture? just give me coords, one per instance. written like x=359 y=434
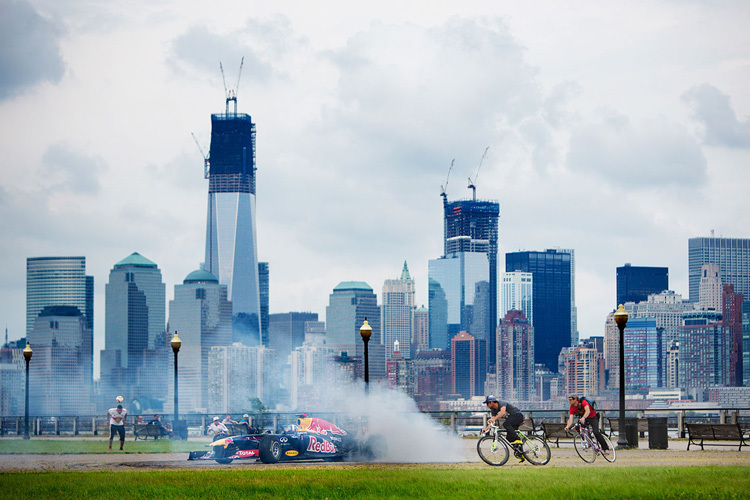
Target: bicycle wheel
x=612 y=455
x=585 y=448
x=536 y=450
x=491 y=451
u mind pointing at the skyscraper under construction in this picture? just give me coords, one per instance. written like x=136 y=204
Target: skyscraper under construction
x=231 y=241
x=463 y=282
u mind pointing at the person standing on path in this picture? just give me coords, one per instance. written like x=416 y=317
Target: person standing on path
x=117 y=419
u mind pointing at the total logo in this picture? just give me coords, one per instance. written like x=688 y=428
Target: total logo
x=320 y=446
x=247 y=453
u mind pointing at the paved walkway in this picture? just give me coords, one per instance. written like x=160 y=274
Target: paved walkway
x=565 y=456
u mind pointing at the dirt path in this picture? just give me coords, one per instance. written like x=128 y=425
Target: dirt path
x=565 y=456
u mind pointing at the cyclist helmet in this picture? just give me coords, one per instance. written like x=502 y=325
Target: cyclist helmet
x=490 y=399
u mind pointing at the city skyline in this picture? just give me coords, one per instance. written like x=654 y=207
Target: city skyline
x=111 y=169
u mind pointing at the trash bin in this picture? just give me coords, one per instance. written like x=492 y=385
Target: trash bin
x=180 y=429
x=631 y=432
x=657 y=433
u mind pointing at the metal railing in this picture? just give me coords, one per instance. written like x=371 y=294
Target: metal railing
x=459 y=422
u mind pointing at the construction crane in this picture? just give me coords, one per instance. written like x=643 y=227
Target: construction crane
x=443 y=187
x=231 y=93
x=204 y=155
x=472 y=184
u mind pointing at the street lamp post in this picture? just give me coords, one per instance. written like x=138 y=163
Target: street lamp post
x=621 y=318
x=27 y=352
x=366 y=331
x=176 y=343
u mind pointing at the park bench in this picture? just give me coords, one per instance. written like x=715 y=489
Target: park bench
x=145 y=431
x=556 y=431
x=528 y=427
x=614 y=426
x=715 y=432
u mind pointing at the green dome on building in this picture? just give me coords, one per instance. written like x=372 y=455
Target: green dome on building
x=200 y=276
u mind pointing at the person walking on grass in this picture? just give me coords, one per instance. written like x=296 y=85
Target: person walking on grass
x=117 y=419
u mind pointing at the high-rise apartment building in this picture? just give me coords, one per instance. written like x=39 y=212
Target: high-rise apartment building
x=584 y=371
x=349 y=305
x=310 y=367
x=732 y=320
x=731 y=254
x=231 y=239
x=468 y=365
x=58 y=281
x=746 y=342
x=397 y=314
x=201 y=314
x=704 y=351
x=469 y=257
x=515 y=357
x=552 y=278
x=421 y=330
x=61 y=373
x=237 y=374
x=134 y=324
x=263 y=286
x=636 y=283
x=517 y=294
x=644 y=355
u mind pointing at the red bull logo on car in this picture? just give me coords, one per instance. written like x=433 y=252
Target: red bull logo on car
x=318 y=426
x=320 y=446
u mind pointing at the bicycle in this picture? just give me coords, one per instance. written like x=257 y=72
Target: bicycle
x=494 y=449
x=587 y=446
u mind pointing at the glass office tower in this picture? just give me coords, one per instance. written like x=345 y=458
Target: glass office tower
x=231 y=244
x=58 y=281
x=636 y=283
x=551 y=273
x=731 y=254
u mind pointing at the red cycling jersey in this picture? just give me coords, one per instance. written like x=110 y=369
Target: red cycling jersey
x=582 y=410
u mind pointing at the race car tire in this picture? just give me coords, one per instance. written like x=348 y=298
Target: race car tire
x=269 y=450
x=376 y=447
x=220 y=452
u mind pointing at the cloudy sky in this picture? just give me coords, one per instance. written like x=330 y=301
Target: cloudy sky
x=618 y=129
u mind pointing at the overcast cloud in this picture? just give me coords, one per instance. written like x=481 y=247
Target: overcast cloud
x=29 y=48
x=618 y=130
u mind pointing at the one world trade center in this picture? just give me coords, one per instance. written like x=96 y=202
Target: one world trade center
x=231 y=242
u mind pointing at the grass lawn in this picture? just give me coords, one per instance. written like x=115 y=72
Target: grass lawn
x=76 y=446
x=381 y=481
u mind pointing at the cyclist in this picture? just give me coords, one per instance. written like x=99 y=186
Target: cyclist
x=581 y=408
x=513 y=418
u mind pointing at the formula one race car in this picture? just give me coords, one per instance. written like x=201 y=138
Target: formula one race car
x=310 y=439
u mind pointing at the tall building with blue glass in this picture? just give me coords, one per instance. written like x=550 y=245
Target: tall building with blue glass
x=636 y=283
x=644 y=355
x=457 y=296
x=231 y=241
x=551 y=272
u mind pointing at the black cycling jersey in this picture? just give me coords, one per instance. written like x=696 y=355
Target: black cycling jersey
x=509 y=409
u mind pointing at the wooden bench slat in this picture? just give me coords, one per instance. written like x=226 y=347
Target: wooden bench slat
x=714 y=432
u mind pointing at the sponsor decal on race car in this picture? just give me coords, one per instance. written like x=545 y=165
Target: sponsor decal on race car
x=292 y=453
x=247 y=453
x=319 y=426
x=320 y=446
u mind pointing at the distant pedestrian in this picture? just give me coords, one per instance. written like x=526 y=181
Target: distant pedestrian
x=117 y=419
